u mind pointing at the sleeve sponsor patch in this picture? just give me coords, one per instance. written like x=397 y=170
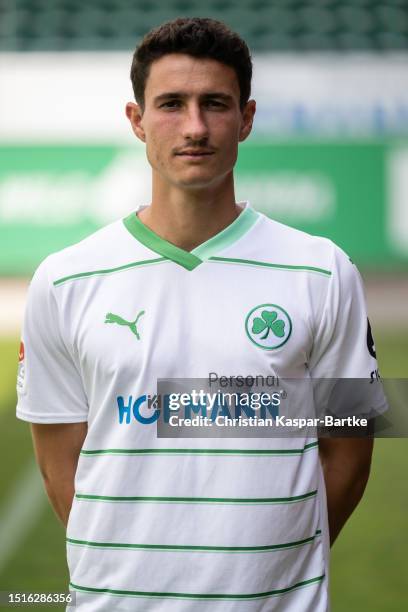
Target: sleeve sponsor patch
x=21 y=370
x=370 y=341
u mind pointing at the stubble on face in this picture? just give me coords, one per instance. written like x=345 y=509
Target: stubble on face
x=192 y=120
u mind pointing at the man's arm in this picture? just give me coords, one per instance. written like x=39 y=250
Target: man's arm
x=57 y=449
x=346 y=467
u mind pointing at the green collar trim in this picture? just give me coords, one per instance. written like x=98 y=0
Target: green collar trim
x=191 y=260
x=150 y=239
x=227 y=236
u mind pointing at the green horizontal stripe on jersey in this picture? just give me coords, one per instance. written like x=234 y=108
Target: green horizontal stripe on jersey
x=133 y=264
x=147 y=262
x=178 y=548
x=266 y=264
x=200 y=451
x=201 y=596
x=197 y=500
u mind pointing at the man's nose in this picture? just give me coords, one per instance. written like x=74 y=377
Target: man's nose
x=195 y=126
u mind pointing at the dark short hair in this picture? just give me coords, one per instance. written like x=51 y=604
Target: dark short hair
x=196 y=36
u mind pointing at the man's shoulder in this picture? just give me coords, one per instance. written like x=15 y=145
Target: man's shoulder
x=107 y=248
x=295 y=249
x=286 y=245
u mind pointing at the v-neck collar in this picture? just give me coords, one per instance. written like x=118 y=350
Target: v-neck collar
x=192 y=259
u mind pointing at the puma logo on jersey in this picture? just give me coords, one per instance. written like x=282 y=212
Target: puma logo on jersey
x=132 y=325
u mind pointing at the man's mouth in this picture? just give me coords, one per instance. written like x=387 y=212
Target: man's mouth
x=194 y=152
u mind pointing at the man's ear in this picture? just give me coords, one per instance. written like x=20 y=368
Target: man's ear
x=135 y=114
x=247 y=120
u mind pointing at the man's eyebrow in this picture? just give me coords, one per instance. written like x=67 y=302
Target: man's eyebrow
x=179 y=94
x=218 y=94
x=169 y=94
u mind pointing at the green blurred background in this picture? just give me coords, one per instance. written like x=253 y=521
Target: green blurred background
x=329 y=154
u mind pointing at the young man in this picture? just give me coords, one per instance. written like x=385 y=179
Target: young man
x=192 y=284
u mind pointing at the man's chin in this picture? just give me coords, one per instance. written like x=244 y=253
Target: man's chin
x=201 y=181
x=196 y=185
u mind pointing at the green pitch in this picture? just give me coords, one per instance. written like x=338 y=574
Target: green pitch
x=368 y=558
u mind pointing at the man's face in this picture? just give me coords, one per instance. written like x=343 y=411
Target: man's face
x=192 y=122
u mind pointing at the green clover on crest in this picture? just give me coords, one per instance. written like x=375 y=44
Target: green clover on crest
x=268 y=322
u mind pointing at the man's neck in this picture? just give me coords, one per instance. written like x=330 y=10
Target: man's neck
x=187 y=218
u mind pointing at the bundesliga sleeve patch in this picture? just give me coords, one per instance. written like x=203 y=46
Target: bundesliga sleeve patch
x=21 y=370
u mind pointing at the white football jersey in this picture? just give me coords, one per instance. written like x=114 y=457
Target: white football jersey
x=190 y=524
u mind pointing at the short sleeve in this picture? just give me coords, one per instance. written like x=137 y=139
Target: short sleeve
x=343 y=346
x=49 y=385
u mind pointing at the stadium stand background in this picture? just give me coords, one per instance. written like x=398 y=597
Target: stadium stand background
x=67 y=162
x=328 y=73
x=285 y=25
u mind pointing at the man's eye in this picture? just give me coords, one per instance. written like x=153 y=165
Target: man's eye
x=215 y=104
x=170 y=104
